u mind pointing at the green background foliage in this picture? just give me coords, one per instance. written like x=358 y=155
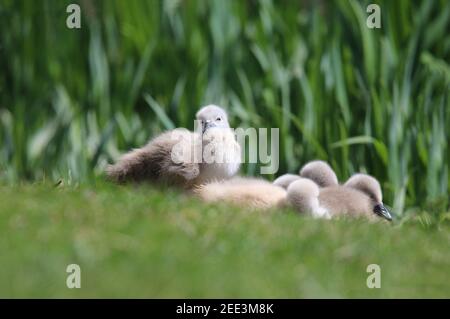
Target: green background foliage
x=370 y=100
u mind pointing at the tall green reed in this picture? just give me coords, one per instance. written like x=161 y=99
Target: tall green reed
x=371 y=100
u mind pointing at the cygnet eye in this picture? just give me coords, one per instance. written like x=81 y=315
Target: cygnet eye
x=219 y=119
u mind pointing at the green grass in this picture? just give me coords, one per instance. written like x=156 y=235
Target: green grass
x=141 y=242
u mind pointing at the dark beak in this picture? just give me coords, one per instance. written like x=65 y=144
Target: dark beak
x=382 y=211
x=207 y=125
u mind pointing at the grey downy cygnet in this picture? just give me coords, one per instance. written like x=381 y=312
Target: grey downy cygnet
x=221 y=152
x=318 y=171
x=184 y=158
x=254 y=193
x=360 y=196
x=285 y=180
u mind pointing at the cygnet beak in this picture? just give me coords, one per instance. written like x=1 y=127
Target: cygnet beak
x=382 y=211
x=207 y=125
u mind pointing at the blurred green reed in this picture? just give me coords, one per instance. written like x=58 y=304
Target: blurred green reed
x=371 y=100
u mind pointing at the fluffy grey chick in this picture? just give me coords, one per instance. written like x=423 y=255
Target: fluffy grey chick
x=153 y=162
x=254 y=193
x=221 y=156
x=183 y=158
x=285 y=180
x=318 y=171
x=371 y=187
x=360 y=196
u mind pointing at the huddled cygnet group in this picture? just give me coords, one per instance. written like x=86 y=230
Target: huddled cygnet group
x=315 y=190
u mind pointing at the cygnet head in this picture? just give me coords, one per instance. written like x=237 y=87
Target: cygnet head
x=212 y=116
x=303 y=195
x=285 y=180
x=320 y=172
x=371 y=187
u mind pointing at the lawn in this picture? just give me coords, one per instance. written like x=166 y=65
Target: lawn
x=142 y=242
